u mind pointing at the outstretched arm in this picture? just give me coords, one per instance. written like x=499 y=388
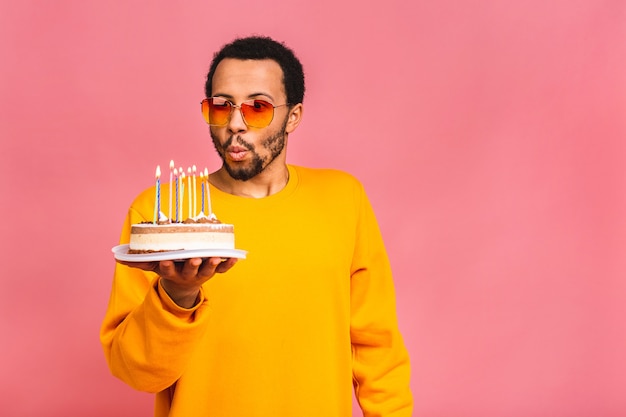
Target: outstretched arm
x=157 y=313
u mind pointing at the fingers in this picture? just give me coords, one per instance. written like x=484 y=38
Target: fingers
x=191 y=269
x=215 y=265
x=146 y=266
x=225 y=265
x=167 y=269
x=208 y=267
x=185 y=271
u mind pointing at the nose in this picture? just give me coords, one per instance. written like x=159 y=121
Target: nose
x=236 y=123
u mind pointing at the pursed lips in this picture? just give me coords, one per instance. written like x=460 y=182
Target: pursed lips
x=236 y=153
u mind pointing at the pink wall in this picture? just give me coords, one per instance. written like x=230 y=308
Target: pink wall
x=490 y=135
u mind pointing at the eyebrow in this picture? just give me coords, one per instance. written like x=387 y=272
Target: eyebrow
x=250 y=96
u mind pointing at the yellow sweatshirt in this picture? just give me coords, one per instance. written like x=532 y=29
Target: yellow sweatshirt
x=287 y=331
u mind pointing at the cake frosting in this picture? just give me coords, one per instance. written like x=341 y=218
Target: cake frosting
x=201 y=232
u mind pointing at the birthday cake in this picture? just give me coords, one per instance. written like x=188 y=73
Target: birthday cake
x=176 y=233
x=199 y=233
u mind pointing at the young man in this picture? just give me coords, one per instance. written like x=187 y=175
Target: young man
x=308 y=315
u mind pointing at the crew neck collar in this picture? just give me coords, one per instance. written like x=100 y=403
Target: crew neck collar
x=291 y=185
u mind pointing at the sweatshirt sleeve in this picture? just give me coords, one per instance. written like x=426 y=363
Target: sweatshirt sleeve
x=381 y=368
x=146 y=337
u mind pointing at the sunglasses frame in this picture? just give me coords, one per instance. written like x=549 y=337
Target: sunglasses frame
x=233 y=106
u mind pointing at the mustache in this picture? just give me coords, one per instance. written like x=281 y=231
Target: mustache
x=239 y=140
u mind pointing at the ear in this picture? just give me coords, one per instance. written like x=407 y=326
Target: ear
x=294 y=118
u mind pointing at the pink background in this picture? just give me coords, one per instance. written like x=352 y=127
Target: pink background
x=490 y=136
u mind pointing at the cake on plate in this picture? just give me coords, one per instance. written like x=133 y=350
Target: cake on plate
x=195 y=233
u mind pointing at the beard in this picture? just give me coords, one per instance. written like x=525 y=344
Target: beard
x=273 y=144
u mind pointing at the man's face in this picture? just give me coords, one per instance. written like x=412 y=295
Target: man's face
x=247 y=151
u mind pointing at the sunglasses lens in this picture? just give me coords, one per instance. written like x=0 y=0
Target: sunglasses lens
x=205 y=109
x=257 y=113
x=215 y=111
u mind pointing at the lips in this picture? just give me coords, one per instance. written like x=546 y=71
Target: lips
x=236 y=153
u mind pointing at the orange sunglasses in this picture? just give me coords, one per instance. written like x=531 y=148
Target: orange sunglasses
x=255 y=113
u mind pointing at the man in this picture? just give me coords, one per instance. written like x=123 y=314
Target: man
x=308 y=314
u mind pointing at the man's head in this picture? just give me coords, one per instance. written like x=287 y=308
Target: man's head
x=260 y=48
x=254 y=90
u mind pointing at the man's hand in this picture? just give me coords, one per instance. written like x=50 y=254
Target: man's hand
x=182 y=281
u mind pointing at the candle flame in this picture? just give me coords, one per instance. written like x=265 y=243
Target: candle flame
x=171 y=164
x=158 y=171
x=175 y=172
x=194 y=169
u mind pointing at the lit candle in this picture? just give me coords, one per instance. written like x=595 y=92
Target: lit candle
x=176 y=193
x=208 y=192
x=189 y=192
x=181 y=177
x=195 y=193
x=181 y=186
x=157 y=195
x=171 y=172
x=202 y=192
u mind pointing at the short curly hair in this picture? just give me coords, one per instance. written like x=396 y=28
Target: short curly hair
x=258 y=48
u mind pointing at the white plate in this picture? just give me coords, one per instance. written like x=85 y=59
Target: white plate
x=120 y=252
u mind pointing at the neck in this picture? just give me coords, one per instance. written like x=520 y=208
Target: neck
x=270 y=181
